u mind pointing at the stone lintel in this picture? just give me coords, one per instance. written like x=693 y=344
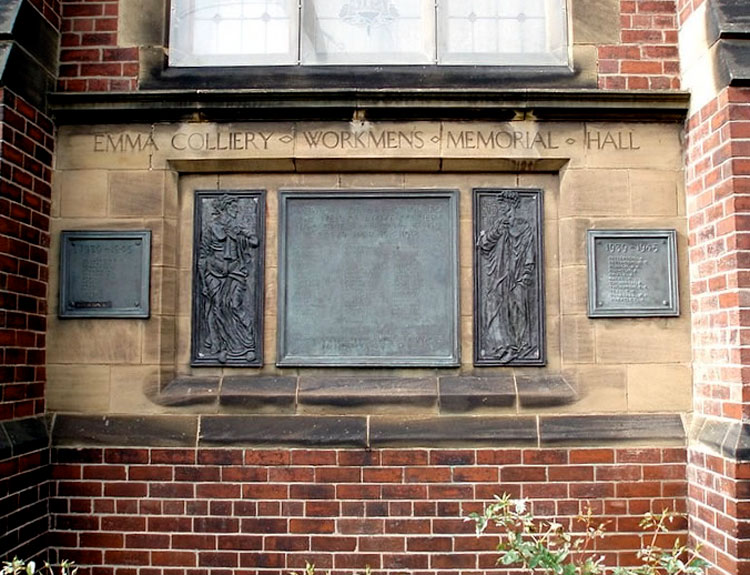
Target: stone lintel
x=378 y=105
x=20 y=436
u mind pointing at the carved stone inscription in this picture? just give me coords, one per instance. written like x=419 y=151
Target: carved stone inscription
x=368 y=278
x=228 y=278
x=632 y=273
x=508 y=272
x=105 y=274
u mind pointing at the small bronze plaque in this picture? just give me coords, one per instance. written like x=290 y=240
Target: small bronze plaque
x=632 y=273
x=228 y=278
x=368 y=278
x=105 y=274
x=508 y=277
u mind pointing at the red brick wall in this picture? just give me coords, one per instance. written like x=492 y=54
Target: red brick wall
x=25 y=175
x=686 y=7
x=396 y=510
x=719 y=500
x=24 y=504
x=718 y=192
x=90 y=58
x=718 y=184
x=646 y=58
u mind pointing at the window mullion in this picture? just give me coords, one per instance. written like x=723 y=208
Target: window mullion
x=299 y=32
x=436 y=35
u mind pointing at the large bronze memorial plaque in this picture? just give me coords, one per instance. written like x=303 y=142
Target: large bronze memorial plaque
x=104 y=274
x=368 y=278
x=632 y=273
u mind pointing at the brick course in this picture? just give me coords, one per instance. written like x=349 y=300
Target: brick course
x=269 y=511
x=646 y=57
x=90 y=58
x=25 y=191
x=718 y=195
x=24 y=504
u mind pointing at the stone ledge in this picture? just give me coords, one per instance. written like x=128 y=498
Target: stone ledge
x=657 y=429
x=728 y=19
x=545 y=391
x=453 y=431
x=729 y=438
x=283 y=430
x=124 y=430
x=369 y=394
x=466 y=393
x=734 y=62
x=183 y=391
x=259 y=393
x=373 y=432
x=21 y=436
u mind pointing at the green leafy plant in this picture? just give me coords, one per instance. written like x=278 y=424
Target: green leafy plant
x=20 y=567
x=548 y=547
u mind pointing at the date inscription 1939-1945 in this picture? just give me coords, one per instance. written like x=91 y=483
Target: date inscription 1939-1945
x=228 y=278
x=632 y=273
x=509 y=294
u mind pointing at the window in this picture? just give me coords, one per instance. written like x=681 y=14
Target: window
x=368 y=32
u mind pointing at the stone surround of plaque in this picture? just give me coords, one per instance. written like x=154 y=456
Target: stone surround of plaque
x=632 y=273
x=368 y=278
x=509 y=309
x=228 y=278
x=105 y=274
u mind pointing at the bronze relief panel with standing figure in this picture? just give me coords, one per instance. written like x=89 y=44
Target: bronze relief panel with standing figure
x=228 y=262
x=508 y=278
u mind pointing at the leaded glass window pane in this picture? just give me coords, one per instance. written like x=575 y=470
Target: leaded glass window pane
x=502 y=32
x=233 y=32
x=368 y=32
x=375 y=32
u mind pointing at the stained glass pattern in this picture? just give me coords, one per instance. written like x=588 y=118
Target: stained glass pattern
x=368 y=32
x=522 y=32
x=233 y=32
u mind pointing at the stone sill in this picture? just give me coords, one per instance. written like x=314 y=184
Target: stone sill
x=436 y=394
x=366 y=432
x=729 y=438
x=21 y=436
